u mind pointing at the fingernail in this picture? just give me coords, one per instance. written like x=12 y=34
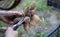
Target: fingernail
x=11 y=22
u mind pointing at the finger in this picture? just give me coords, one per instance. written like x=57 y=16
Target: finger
x=9 y=28
x=12 y=13
x=19 y=14
x=15 y=33
x=7 y=21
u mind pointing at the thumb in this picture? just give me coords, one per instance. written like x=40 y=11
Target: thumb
x=16 y=33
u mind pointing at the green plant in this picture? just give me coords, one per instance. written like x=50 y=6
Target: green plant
x=42 y=34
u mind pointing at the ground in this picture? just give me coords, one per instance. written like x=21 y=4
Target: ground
x=49 y=16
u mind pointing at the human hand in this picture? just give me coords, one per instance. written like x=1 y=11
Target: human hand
x=9 y=16
x=11 y=33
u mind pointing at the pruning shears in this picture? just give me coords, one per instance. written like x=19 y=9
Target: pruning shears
x=28 y=15
x=14 y=27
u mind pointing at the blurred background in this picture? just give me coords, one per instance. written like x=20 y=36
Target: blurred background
x=49 y=15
